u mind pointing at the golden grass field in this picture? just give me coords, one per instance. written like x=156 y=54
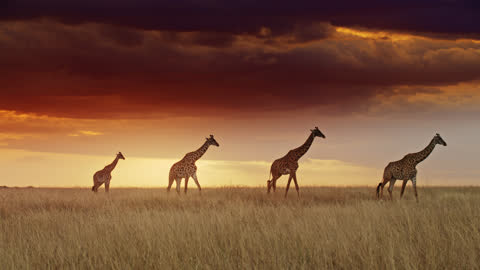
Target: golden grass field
x=239 y=228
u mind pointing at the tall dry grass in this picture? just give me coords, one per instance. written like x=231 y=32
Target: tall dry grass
x=239 y=228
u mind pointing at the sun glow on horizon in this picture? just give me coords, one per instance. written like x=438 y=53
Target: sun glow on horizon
x=25 y=168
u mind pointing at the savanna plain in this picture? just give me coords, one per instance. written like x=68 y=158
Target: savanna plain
x=239 y=228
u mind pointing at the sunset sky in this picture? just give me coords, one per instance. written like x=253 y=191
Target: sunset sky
x=81 y=80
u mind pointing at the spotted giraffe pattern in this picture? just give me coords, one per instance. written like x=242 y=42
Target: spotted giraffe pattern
x=405 y=169
x=289 y=163
x=186 y=167
x=105 y=175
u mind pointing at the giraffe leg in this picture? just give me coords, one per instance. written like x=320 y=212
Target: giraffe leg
x=107 y=186
x=382 y=186
x=414 y=181
x=296 y=184
x=288 y=184
x=194 y=176
x=170 y=183
x=97 y=185
x=94 y=187
x=390 y=188
x=403 y=187
x=272 y=183
x=186 y=183
x=178 y=181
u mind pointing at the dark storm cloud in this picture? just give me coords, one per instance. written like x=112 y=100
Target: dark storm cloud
x=125 y=37
x=96 y=70
x=437 y=17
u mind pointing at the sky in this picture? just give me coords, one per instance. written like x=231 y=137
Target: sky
x=82 y=80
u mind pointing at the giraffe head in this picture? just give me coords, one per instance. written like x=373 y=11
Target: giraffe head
x=120 y=156
x=438 y=140
x=317 y=133
x=212 y=141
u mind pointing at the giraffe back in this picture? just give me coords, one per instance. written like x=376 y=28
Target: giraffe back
x=403 y=169
x=284 y=165
x=182 y=169
x=102 y=176
x=189 y=158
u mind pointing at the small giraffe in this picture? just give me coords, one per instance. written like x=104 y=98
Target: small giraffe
x=405 y=170
x=105 y=175
x=186 y=167
x=289 y=163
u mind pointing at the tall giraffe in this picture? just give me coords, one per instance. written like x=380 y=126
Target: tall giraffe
x=405 y=170
x=186 y=167
x=289 y=163
x=105 y=175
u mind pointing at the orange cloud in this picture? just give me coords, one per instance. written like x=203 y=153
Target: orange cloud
x=132 y=73
x=353 y=33
x=458 y=98
x=86 y=133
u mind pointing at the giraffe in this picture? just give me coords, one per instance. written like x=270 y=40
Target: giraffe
x=405 y=170
x=289 y=163
x=105 y=175
x=186 y=167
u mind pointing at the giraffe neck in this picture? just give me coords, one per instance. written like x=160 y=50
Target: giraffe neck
x=199 y=153
x=422 y=155
x=300 y=151
x=112 y=165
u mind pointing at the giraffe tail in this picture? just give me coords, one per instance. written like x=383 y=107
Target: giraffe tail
x=269 y=181
x=378 y=189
